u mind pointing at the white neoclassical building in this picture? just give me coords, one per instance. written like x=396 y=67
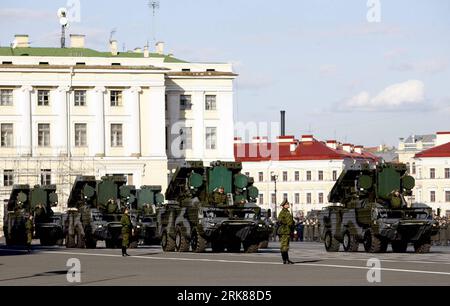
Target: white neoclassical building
x=301 y=170
x=72 y=111
x=432 y=174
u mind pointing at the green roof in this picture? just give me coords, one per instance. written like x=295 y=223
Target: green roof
x=79 y=52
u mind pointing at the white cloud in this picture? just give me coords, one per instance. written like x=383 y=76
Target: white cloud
x=397 y=96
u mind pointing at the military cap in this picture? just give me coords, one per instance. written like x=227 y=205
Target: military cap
x=285 y=201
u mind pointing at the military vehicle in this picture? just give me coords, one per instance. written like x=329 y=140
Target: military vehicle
x=198 y=215
x=268 y=223
x=96 y=207
x=38 y=202
x=370 y=207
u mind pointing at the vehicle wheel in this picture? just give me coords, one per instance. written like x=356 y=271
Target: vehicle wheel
x=373 y=244
x=350 y=242
x=250 y=247
x=91 y=243
x=217 y=246
x=264 y=244
x=331 y=244
x=167 y=242
x=422 y=246
x=109 y=243
x=198 y=243
x=60 y=241
x=181 y=243
x=399 y=246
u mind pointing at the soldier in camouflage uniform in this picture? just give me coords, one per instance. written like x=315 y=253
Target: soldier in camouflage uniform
x=219 y=197
x=29 y=227
x=126 y=231
x=285 y=221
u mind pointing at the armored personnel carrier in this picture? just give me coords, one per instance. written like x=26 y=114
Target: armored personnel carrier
x=211 y=206
x=370 y=208
x=37 y=202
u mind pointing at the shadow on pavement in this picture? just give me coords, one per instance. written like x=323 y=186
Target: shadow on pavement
x=48 y=273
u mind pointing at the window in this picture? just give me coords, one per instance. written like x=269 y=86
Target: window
x=260 y=176
x=130 y=179
x=407 y=167
x=115 y=98
x=272 y=177
x=297 y=198
x=320 y=175
x=211 y=138
x=6 y=97
x=247 y=173
x=80 y=134
x=297 y=176
x=167 y=137
x=116 y=135
x=447 y=196
x=43 y=134
x=8 y=177
x=433 y=196
x=274 y=198
x=165 y=102
x=261 y=198
x=285 y=176
x=308 y=175
x=7 y=134
x=46 y=177
x=447 y=173
x=80 y=97
x=308 y=198
x=186 y=138
x=43 y=98
x=320 y=197
x=413 y=168
x=432 y=173
x=210 y=102
x=185 y=69
x=285 y=196
x=334 y=175
x=185 y=102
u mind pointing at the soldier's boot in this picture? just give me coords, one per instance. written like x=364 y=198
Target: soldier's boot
x=124 y=251
x=287 y=259
x=283 y=256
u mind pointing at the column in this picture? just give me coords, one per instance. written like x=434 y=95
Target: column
x=156 y=122
x=25 y=141
x=134 y=135
x=60 y=131
x=100 y=120
x=225 y=133
x=198 y=128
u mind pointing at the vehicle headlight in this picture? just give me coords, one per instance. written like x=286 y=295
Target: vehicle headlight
x=99 y=226
x=212 y=224
x=260 y=225
x=138 y=226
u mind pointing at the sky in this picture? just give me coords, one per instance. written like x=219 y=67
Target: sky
x=340 y=70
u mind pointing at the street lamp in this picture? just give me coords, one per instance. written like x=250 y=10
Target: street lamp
x=274 y=178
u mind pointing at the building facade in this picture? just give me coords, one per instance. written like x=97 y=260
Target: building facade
x=432 y=175
x=302 y=171
x=76 y=111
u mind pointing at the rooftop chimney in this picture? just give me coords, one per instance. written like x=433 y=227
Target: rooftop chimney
x=287 y=139
x=76 y=41
x=283 y=123
x=442 y=138
x=237 y=140
x=347 y=147
x=146 y=52
x=307 y=138
x=21 y=41
x=160 y=47
x=358 y=149
x=113 y=47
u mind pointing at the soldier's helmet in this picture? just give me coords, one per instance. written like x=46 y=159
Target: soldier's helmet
x=221 y=189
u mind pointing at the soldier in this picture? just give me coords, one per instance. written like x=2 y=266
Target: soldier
x=126 y=231
x=284 y=231
x=219 y=197
x=147 y=209
x=29 y=227
x=396 y=201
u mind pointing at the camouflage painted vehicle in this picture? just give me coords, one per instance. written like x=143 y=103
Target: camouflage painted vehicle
x=266 y=218
x=38 y=202
x=370 y=207
x=196 y=217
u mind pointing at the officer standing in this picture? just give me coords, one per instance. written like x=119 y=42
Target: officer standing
x=285 y=221
x=29 y=227
x=126 y=231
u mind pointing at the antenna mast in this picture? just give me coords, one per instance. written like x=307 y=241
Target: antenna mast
x=154 y=5
x=62 y=14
